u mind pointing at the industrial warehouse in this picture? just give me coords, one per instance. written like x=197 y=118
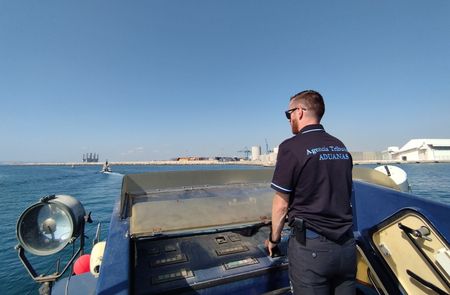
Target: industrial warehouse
x=421 y=150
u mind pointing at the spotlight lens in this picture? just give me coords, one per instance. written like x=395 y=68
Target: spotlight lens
x=47 y=227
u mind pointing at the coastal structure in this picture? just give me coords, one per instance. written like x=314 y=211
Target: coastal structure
x=270 y=157
x=415 y=150
x=246 y=152
x=366 y=156
x=420 y=150
x=90 y=158
x=256 y=152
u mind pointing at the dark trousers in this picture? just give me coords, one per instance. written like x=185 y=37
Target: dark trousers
x=322 y=266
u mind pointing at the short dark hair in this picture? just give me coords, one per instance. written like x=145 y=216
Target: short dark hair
x=311 y=100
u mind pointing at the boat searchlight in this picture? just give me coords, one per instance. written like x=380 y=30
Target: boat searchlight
x=47 y=227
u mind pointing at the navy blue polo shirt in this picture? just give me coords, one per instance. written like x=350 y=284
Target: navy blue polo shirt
x=315 y=170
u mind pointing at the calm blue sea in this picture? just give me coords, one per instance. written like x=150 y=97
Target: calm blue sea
x=22 y=186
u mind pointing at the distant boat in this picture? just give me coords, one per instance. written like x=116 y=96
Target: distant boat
x=106 y=168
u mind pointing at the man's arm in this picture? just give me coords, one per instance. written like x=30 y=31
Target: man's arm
x=279 y=210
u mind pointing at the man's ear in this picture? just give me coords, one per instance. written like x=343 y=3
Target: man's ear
x=300 y=113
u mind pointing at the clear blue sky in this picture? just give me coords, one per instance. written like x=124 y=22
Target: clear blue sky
x=146 y=80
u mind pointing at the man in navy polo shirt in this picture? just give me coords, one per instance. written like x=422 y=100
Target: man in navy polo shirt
x=313 y=184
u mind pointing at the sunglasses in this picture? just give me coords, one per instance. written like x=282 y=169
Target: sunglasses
x=289 y=112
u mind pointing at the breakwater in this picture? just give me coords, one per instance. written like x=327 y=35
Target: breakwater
x=210 y=162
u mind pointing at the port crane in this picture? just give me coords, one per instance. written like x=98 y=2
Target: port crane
x=267 y=147
x=245 y=151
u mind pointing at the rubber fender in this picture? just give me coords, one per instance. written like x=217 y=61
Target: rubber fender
x=397 y=174
x=97 y=257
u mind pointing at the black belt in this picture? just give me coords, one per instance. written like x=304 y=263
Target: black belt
x=311 y=234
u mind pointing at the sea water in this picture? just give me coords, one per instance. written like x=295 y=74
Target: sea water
x=22 y=186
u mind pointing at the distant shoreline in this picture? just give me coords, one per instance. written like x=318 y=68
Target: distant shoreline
x=143 y=163
x=204 y=162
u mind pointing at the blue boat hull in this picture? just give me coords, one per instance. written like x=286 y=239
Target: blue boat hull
x=235 y=261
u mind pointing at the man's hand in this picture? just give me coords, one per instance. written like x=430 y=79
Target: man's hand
x=270 y=247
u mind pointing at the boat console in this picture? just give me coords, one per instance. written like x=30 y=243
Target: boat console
x=208 y=261
x=191 y=236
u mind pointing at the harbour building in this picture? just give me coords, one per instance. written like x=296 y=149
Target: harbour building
x=420 y=150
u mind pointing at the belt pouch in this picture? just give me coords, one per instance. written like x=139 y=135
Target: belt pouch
x=298 y=227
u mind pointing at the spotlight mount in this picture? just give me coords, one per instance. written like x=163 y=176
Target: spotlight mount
x=46 y=228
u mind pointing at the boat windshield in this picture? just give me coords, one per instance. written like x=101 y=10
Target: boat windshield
x=223 y=202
